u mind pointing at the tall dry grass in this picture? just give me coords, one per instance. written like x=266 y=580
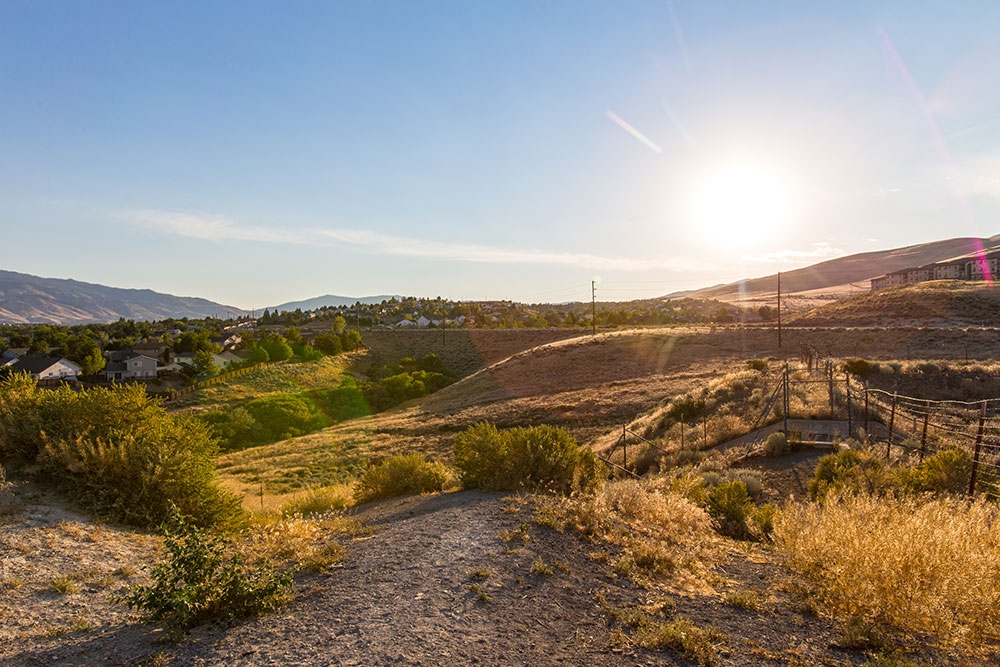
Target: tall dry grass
x=663 y=536
x=920 y=565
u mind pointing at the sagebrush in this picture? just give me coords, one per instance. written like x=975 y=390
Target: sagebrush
x=525 y=458
x=402 y=475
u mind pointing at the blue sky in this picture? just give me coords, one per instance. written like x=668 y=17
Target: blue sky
x=254 y=153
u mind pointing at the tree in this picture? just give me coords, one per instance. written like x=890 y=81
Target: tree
x=93 y=362
x=277 y=348
x=339 y=324
x=204 y=362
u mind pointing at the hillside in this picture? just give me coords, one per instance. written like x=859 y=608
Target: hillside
x=857 y=268
x=28 y=299
x=936 y=303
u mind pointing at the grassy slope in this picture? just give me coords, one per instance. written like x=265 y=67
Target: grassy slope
x=949 y=302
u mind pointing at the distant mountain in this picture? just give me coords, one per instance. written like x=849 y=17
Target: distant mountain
x=29 y=299
x=331 y=301
x=851 y=269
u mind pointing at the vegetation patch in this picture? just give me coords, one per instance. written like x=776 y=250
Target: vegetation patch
x=115 y=451
x=281 y=416
x=203 y=581
x=917 y=564
x=392 y=384
x=538 y=458
x=661 y=535
x=403 y=475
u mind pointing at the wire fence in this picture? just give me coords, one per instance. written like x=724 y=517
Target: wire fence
x=894 y=426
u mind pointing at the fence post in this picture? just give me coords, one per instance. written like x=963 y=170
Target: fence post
x=624 y=449
x=786 y=403
x=975 y=455
x=704 y=423
x=923 y=437
x=682 y=433
x=850 y=416
x=867 y=435
x=829 y=372
x=892 y=420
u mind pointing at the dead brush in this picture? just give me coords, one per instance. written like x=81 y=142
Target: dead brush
x=919 y=565
x=663 y=535
x=295 y=539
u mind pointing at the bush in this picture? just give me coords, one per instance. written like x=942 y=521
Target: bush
x=776 y=445
x=535 y=458
x=735 y=514
x=116 y=451
x=403 y=475
x=947 y=471
x=849 y=471
x=860 y=367
x=757 y=365
x=199 y=583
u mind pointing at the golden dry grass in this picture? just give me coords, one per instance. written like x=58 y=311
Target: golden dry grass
x=924 y=566
x=663 y=536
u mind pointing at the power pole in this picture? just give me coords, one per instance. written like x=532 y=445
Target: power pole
x=593 y=305
x=779 y=310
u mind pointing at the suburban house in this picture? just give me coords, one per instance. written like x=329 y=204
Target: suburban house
x=130 y=365
x=980 y=265
x=44 y=367
x=154 y=349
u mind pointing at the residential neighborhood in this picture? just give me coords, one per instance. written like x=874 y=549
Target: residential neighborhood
x=980 y=265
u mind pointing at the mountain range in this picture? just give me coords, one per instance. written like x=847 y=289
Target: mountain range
x=29 y=299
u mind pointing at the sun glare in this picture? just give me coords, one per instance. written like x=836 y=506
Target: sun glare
x=741 y=204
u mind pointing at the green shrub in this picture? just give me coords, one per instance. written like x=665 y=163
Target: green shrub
x=200 y=583
x=947 y=471
x=735 y=514
x=116 y=451
x=535 y=458
x=284 y=416
x=403 y=475
x=757 y=365
x=20 y=420
x=848 y=470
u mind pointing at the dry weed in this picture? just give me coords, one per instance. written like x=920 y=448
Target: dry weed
x=920 y=565
x=664 y=536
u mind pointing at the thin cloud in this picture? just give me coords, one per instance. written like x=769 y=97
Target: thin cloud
x=220 y=228
x=206 y=227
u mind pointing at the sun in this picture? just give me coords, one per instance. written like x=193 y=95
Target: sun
x=741 y=204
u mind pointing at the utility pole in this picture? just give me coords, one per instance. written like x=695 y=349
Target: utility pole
x=593 y=305
x=779 y=310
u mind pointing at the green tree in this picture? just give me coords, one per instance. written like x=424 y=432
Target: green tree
x=204 y=362
x=93 y=362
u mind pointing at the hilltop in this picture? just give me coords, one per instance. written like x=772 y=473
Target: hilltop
x=835 y=276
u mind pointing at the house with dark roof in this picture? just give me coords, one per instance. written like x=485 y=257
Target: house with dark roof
x=44 y=367
x=129 y=365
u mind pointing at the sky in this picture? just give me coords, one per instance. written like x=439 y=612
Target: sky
x=254 y=153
